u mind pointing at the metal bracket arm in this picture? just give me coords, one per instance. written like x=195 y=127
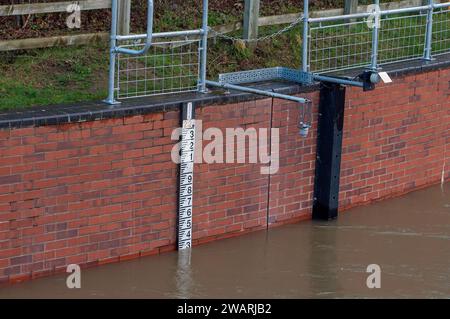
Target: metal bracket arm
x=269 y=74
x=257 y=91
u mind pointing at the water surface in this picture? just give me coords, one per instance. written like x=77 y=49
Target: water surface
x=408 y=237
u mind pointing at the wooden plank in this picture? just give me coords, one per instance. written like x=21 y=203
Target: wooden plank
x=350 y=6
x=52 y=7
x=123 y=26
x=251 y=16
x=66 y=40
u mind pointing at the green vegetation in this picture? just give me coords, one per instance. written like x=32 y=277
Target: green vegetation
x=75 y=74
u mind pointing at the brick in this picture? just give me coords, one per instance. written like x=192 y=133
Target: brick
x=104 y=191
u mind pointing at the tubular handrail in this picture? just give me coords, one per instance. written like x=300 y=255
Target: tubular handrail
x=172 y=34
x=149 y=37
x=309 y=73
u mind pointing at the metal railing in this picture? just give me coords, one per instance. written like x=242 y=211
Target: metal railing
x=441 y=32
x=162 y=64
x=173 y=62
x=372 y=39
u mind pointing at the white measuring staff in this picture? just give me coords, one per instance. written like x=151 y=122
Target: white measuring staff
x=186 y=190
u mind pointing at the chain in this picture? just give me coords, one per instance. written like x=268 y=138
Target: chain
x=267 y=37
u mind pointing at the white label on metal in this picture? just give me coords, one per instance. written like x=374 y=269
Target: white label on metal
x=385 y=77
x=186 y=187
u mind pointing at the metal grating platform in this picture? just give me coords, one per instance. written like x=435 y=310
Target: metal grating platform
x=269 y=74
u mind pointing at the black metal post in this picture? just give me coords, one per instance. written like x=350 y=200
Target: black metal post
x=329 y=151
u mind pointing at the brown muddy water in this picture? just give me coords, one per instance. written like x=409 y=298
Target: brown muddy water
x=408 y=237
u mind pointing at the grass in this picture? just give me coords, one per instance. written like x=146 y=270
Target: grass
x=52 y=76
x=76 y=74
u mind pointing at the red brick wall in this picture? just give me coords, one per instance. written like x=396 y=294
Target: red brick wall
x=230 y=198
x=397 y=138
x=98 y=192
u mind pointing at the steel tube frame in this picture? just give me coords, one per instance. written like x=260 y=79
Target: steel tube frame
x=114 y=50
x=305 y=40
x=441 y=5
x=375 y=38
x=149 y=36
x=257 y=91
x=330 y=131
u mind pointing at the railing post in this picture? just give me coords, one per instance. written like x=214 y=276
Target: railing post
x=112 y=54
x=375 y=37
x=204 y=49
x=429 y=33
x=251 y=16
x=124 y=17
x=305 y=40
